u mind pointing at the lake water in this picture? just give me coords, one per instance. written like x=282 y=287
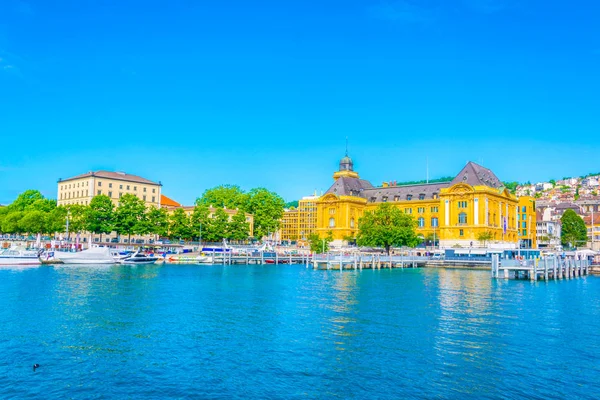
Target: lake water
x=171 y=332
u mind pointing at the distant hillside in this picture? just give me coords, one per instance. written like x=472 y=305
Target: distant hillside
x=437 y=180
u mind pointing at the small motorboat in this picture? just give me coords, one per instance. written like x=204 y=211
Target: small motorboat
x=139 y=259
x=14 y=257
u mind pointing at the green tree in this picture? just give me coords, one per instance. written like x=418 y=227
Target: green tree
x=318 y=244
x=77 y=217
x=100 y=217
x=25 y=199
x=267 y=209
x=200 y=221
x=385 y=227
x=180 y=225
x=130 y=216
x=228 y=196
x=217 y=226
x=56 y=220
x=158 y=221
x=291 y=204
x=12 y=222
x=33 y=222
x=511 y=186
x=574 y=231
x=485 y=236
x=238 y=228
x=553 y=182
x=44 y=205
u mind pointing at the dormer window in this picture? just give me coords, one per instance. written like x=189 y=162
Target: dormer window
x=409 y=197
x=396 y=198
x=373 y=198
x=384 y=199
x=435 y=196
x=422 y=196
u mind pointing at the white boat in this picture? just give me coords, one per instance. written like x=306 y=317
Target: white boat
x=139 y=259
x=19 y=257
x=95 y=255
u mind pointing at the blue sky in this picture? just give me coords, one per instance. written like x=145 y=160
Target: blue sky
x=263 y=93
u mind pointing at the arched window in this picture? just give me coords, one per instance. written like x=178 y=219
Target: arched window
x=332 y=222
x=434 y=222
x=462 y=218
x=351 y=222
x=421 y=221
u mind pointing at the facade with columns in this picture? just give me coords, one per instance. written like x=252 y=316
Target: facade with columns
x=459 y=213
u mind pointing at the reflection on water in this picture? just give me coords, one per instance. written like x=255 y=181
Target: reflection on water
x=287 y=331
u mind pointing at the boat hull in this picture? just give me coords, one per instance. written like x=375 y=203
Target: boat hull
x=13 y=261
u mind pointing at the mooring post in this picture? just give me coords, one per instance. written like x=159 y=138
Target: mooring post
x=554 y=268
x=545 y=269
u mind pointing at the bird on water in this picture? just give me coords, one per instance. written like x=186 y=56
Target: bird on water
x=35 y=366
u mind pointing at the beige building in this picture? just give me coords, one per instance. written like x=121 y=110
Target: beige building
x=81 y=189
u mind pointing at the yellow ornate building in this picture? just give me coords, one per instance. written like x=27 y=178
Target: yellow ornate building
x=473 y=205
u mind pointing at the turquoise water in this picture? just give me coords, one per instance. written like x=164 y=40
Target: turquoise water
x=171 y=332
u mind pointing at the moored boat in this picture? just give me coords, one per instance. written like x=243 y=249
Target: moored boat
x=19 y=257
x=139 y=259
x=95 y=255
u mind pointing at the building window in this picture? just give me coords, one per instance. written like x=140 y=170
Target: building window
x=421 y=210
x=384 y=199
x=524 y=224
x=524 y=209
x=422 y=196
x=462 y=204
x=153 y=190
x=462 y=218
x=153 y=199
x=110 y=185
x=396 y=198
x=120 y=186
x=99 y=184
x=421 y=222
x=144 y=190
x=99 y=192
x=434 y=222
x=434 y=209
x=332 y=222
x=351 y=222
x=524 y=232
x=144 y=197
x=461 y=232
x=435 y=196
x=109 y=194
x=120 y=195
x=408 y=211
x=127 y=187
x=331 y=211
x=135 y=188
x=409 y=197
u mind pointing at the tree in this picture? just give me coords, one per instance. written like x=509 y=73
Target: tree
x=485 y=236
x=267 y=209
x=25 y=199
x=217 y=226
x=320 y=245
x=77 y=217
x=574 y=231
x=100 y=215
x=158 y=221
x=33 y=222
x=511 y=186
x=386 y=226
x=179 y=225
x=56 y=220
x=130 y=216
x=200 y=220
x=228 y=196
x=553 y=182
x=12 y=222
x=44 y=205
x=238 y=228
x=291 y=204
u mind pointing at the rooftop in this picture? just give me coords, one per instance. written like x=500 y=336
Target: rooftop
x=122 y=176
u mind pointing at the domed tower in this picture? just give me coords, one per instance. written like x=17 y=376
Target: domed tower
x=346 y=167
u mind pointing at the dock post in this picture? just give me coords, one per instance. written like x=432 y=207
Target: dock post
x=290 y=258
x=262 y=258
x=360 y=261
x=554 y=268
x=276 y=258
x=545 y=269
x=355 y=262
x=494 y=266
x=532 y=272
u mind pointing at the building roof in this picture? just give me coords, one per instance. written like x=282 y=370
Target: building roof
x=347 y=186
x=476 y=175
x=403 y=192
x=122 y=176
x=165 y=201
x=588 y=219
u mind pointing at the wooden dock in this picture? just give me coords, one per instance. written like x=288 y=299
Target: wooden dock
x=367 y=261
x=545 y=268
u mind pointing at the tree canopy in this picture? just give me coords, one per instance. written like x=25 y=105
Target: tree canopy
x=386 y=227
x=574 y=231
x=267 y=209
x=228 y=196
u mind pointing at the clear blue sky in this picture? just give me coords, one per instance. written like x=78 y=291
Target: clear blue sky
x=263 y=93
